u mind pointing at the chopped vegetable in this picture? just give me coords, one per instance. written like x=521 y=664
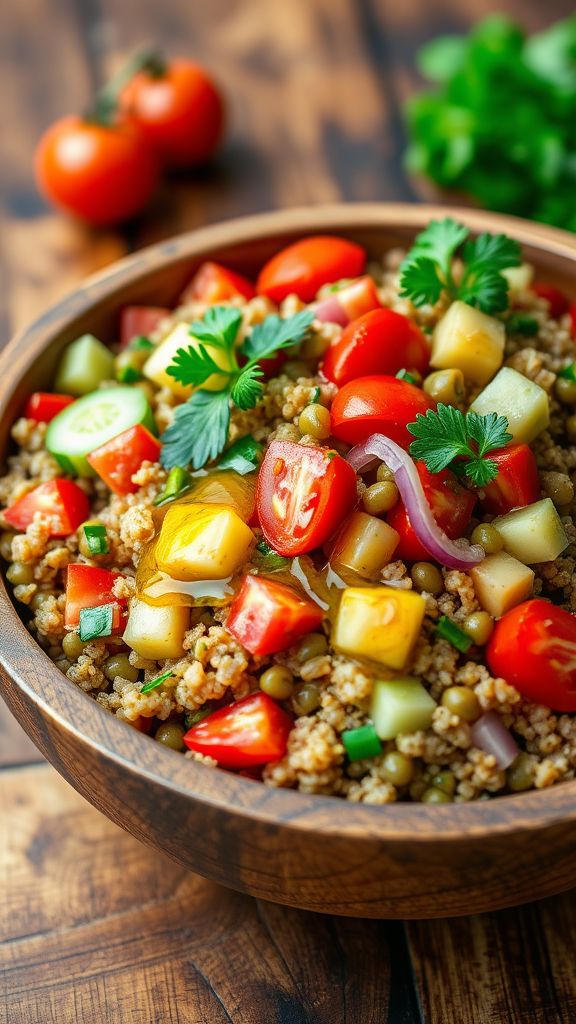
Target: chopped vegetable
x=268 y=560
x=267 y=616
x=468 y=340
x=361 y=743
x=446 y=435
x=520 y=323
x=154 y=683
x=303 y=267
x=569 y=372
x=450 y=631
x=379 y=623
x=88 y=586
x=558 y=303
x=95 y=622
x=501 y=582
x=349 y=302
x=139 y=321
x=381 y=341
x=450 y=504
x=365 y=544
x=61 y=502
x=517 y=482
x=404 y=375
x=96 y=539
x=243 y=456
x=43 y=406
x=117 y=460
x=380 y=404
x=534 y=533
x=253 y=731
x=83 y=366
x=213 y=362
x=400 y=705
x=156 y=632
x=520 y=400
x=490 y=734
x=202 y=542
x=212 y=283
x=177 y=483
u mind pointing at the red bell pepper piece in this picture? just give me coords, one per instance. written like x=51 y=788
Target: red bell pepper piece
x=253 y=731
x=62 y=500
x=451 y=505
x=517 y=483
x=556 y=299
x=267 y=616
x=117 y=460
x=140 y=321
x=213 y=283
x=43 y=406
x=88 y=586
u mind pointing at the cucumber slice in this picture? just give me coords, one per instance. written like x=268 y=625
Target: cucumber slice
x=83 y=366
x=91 y=421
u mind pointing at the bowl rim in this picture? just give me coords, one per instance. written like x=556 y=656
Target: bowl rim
x=62 y=703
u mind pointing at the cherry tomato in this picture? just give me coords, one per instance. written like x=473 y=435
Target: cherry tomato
x=267 y=616
x=213 y=283
x=104 y=174
x=140 y=321
x=451 y=506
x=117 y=460
x=303 y=267
x=253 y=731
x=88 y=586
x=349 y=302
x=381 y=341
x=62 y=501
x=556 y=299
x=517 y=483
x=43 y=406
x=180 y=111
x=533 y=647
x=303 y=495
x=572 y=312
x=382 y=405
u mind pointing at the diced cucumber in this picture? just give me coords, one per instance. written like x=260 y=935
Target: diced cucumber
x=534 y=533
x=470 y=341
x=501 y=582
x=400 y=705
x=524 y=403
x=156 y=633
x=91 y=421
x=83 y=366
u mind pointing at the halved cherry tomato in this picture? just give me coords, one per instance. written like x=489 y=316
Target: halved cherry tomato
x=303 y=495
x=43 y=406
x=381 y=341
x=303 y=267
x=87 y=586
x=140 y=321
x=556 y=299
x=253 y=731
x=382 y=405
x=533 y=647
x=117 y=460
x=451 y=505
x=62 y=501
x=517 y=483
x=349 y=302
x=213 y=283
x=267 y=616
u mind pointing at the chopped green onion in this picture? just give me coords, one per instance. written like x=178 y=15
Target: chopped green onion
x=95 y=622
x=339 y=285
x=243 y=456
x=408 y=377
x=361 y=743
x=128 y=375
x=140 y=344
x=270 y=561
x=153 y=683
x=316 y=396
x=96 y=539
x=448 y=630
x=569 y=372
x=193 y=717
x=521 y=323
x=177 y=482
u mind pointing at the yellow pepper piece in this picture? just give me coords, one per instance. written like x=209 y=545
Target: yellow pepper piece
x=156 y=366
x=379 y=623
x=202 y=542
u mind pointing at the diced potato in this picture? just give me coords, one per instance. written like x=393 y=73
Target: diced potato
x=365 y=545
x=524 y=403
x=155 y=368
x=534 y=533
x=501 y=582
x=519 y=278
x=202 y=542
x=379 y=623
x=470 y=341
x=400 y=706
x=154 y=632
x=84 y=364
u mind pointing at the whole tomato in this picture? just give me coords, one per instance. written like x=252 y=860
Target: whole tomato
x=102 y=173
x=179 y=109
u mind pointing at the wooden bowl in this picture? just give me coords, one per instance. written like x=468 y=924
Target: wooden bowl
x=319 y=853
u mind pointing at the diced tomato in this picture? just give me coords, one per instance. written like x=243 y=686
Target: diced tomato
x=381 y=341
x=118 y=459
x=43 y=406
x=62 y=501
x=573 y=320
x=213 y=283
x=451 y=505
x=253 y=731
x=349 y=302
x=377 y=405
x=303 y=495
x=88 y=586
x=267 y=616
x=303 y=267
x=140 y=321
x=517 y=483
x=556 y=299
x=533 y=647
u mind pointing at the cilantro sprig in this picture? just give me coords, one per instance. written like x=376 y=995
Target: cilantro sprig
x=427 y=270
x=199 y=431
x=446 y=435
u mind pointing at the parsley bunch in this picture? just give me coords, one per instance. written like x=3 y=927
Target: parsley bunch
x=447 y=434
x=200 y=428
x=427 y=270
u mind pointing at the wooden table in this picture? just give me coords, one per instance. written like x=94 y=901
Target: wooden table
x=95 y=927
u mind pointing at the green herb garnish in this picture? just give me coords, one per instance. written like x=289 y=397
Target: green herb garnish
x=153 y=683
x=193 y=717
x=408 y=377
x=521 y=323
x=177 y=482
x=448 y=630
x=267 y=559
x=243 y=456
x=569 y=372
x=447 y=434
x=95 y=622
x=361 y=743
x=96 y=539
x=426 y=273
x=200 y=428
x=315 y=396
x=140 y=344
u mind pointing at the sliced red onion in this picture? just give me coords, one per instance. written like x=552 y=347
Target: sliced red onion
x=490 y=734
x=331 y=311
x=455 y=554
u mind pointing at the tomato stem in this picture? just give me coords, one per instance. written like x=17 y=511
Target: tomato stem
x=105 y=107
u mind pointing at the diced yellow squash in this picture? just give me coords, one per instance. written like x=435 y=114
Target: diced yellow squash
x=156 y=366
x=365 y=545
x=501 y=582
x=156 y=633
x=534 y=533
x=470 y=341
x=400 y=706
x=379 y=623
x=202 y=542
x=519 y=278
x=524 y=403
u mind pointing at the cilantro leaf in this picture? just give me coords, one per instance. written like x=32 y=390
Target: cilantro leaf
x=421 y=282
x=243 y=456
x=198 y=432
x=219 y=326
x=192 y=366
x=486 y=289
x=439 y=241
x=247 y=388
x=491 y=252
x=447 y=434
x=489 y=431
x=275 y=333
